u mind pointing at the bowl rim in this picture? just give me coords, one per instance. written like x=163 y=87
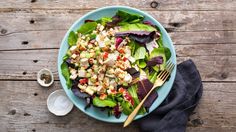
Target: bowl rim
x=118 y=7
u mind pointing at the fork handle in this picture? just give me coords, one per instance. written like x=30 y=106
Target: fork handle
x=135 y=111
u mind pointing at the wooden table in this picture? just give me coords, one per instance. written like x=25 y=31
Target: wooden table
x=30 y=36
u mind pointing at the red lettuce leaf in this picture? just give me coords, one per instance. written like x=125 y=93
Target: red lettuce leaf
x=133 y=72
x=155 y=61
x=144 y=86
x=141 y=37
x=115 y=20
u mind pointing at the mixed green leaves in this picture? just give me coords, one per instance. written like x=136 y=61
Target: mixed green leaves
x=66 y=74
x=133 y=92
x=72 y=38
x=140 y=53
x=103 y=103
x=136 y=27
x=129 y=17
x=87 y=28
x=104 y=20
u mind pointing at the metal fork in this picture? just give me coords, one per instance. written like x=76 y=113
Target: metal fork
x=161 y=78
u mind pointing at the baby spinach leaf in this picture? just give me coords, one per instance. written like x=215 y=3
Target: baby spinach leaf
x=87 y=28
x=129 y=17
x=104 y=20
x=103 y=103
x=136 y=27
x=66 y=74
x=140 y=53
x=72 y=39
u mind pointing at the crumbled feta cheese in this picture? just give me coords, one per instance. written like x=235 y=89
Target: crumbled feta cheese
x=82 y=87
x=89 y=91
x=131 y=59
x=101 y=28
x=84 y=62
x=73 y=56
x=82 y=73
x=73 y=76
x=128 y=78
x=73 y=48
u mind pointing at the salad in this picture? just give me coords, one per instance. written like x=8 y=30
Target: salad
x=113 y=62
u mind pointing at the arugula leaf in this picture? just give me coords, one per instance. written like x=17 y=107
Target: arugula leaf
x=127 y=108
x=87 y=28
x=134 y=46
x=72 y=39
x=129 y=17
x=66 y=74
x=133 y=92
x=103 y=103
x=66 y=57
x=140 y=53
x=152 y=77
x=137 y=27
x=104 y=20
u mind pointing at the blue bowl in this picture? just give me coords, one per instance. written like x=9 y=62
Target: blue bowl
x=94 y=15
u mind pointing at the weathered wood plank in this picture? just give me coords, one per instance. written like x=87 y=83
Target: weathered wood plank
x=25 y=64
x=145 y=4
x=53 y=38
x=173 y=20
x=24 y=109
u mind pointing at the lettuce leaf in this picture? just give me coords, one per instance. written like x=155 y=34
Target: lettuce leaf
x=103 y=103
x=129 y=17
x=104 y=20
x=133 y=92
x=136 y=27
x=140 y=53
x=127 y=108
x=72 y=38
x=87 y=28
x=66 y=74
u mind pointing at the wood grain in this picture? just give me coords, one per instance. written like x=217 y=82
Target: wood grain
x=62 y=19
x=21 y=65
x=30 y=36
x=144 y=4
x=53 y=38
x=25 y=109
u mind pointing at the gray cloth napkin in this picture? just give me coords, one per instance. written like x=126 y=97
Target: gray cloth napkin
x=172 y=115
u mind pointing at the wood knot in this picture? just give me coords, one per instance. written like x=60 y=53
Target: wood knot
x=12 y=112
x=196 y=122
x=35 y=94
x=24 y=73
x=154 y=4
x=224 y=75
x=24 y=42
x=169 y=30
x=35 y=61
x=32 y=1
x=27 y=114
x=3 y=31
x=32 y=21
x=33 y=130
x=176 y=24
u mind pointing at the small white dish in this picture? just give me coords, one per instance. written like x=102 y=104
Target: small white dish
x=45 y=73
x=58 y=103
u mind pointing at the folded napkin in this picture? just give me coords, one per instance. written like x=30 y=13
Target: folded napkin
x=172 y=115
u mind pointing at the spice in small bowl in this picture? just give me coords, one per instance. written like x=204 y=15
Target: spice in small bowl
x=45 y=77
